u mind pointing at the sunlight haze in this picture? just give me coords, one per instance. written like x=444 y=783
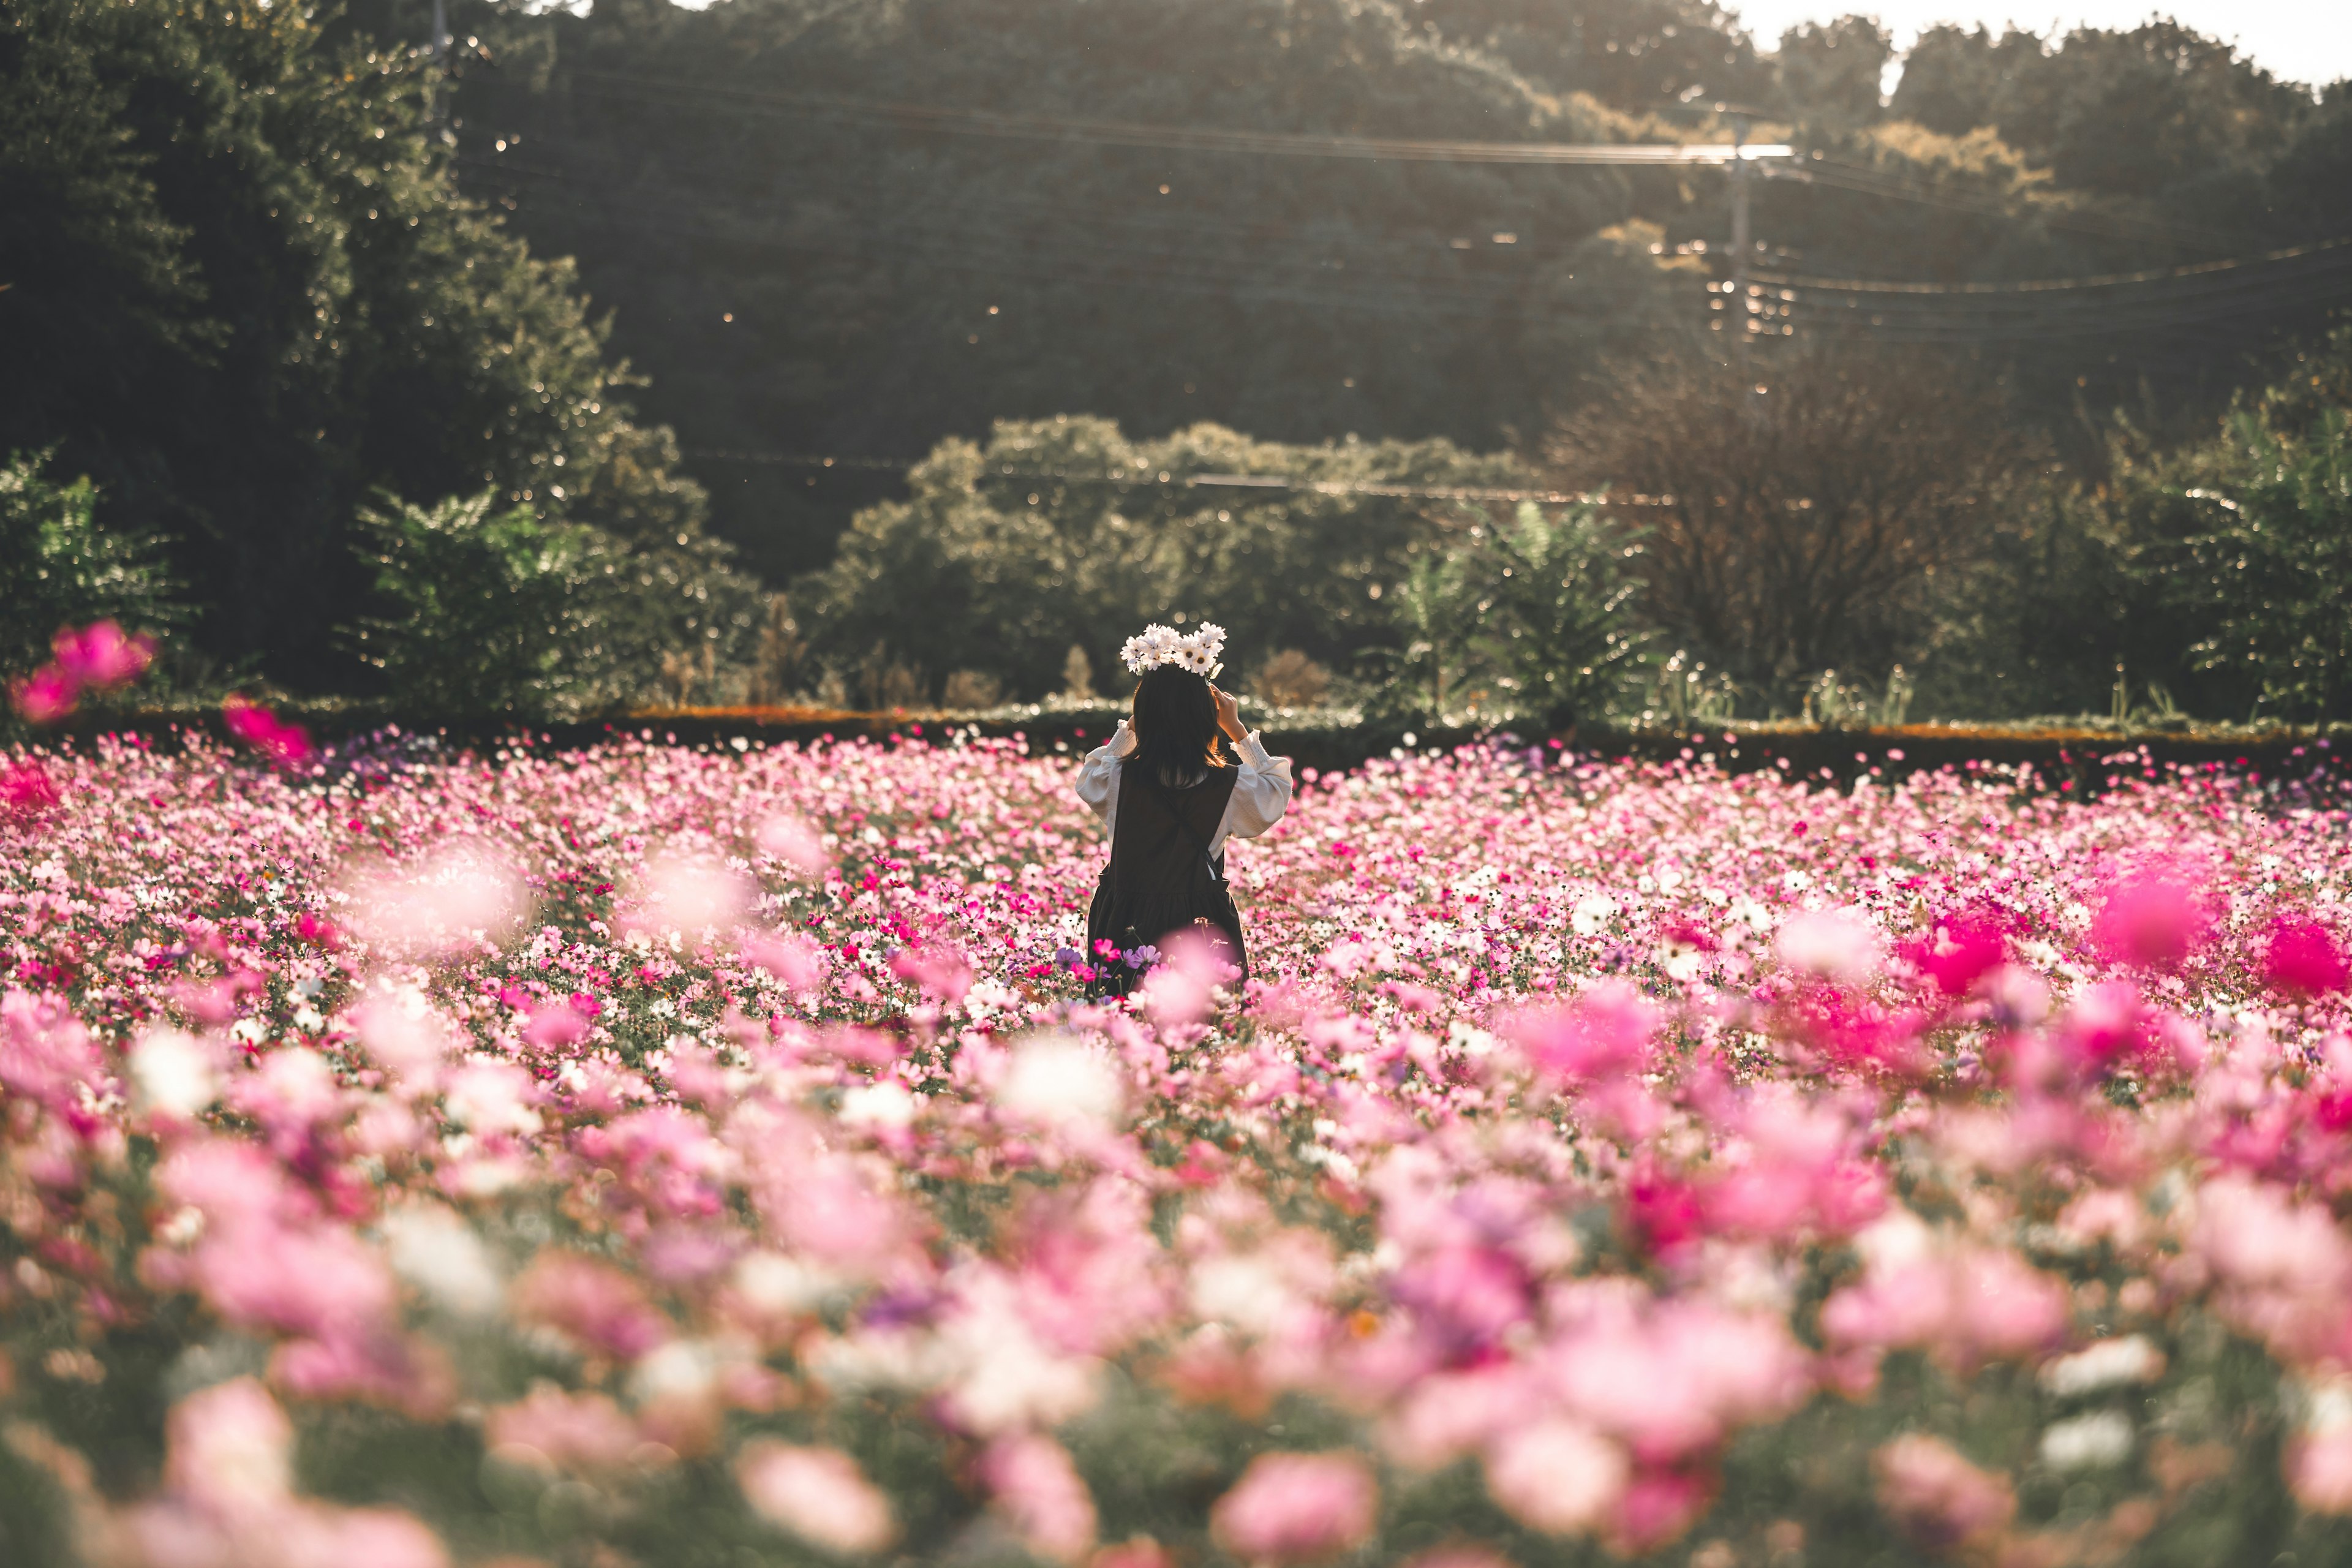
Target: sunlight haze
x=2295 y=40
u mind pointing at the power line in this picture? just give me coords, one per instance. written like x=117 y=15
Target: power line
x=2238 y=264
x=1837 y=174
x=1287 y=482
x=1177 y=138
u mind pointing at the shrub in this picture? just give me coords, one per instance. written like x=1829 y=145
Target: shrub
x=60 y=567
x=968 y=690
x=1061 y=532
x=486 y=608
x=2271 y=561
x=1533 y=616
x=1291 y=679
x=1803 y=508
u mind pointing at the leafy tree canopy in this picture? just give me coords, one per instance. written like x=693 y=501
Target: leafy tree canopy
x=243 y=291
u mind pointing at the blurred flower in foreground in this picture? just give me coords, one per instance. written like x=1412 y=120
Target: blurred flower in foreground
x=457 y=894
x=286 y=743
x=795 y=843
x=1836 y=945
x=1940 y=1499
x=47 y=695
x=2302 y=957
x=818 y=1494
x=687 y=894
x=2153 y=917
x=100 y=656
x=1041 y=1494
x=1059 y=1078
x=1297 y=1507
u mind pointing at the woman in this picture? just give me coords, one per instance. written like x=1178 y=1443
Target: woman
x=1164 y=788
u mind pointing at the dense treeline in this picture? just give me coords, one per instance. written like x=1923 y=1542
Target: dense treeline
x=301 y=363
x=801 y=281
x=244 y=294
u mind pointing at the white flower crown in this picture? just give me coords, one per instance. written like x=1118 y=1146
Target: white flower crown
x=1201 y=651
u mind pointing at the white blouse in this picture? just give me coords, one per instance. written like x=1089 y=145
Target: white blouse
x=1261 y=795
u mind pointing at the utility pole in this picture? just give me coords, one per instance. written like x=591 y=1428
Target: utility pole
x=1742 y=322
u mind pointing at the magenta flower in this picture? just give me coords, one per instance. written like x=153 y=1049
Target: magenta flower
x=2152 y=918
x=47 y=695
x=2303 y=958
x=1936 y=1496
x=26 y=791
x=1297 y=1507
x=1961 y=952
x=99 y=656
x=285 y=744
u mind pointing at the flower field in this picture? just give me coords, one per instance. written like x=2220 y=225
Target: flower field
x=671 y=1156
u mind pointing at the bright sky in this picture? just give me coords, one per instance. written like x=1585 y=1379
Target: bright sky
x=2296 y=41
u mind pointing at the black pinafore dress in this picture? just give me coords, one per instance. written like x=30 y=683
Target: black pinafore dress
x=1161 y=880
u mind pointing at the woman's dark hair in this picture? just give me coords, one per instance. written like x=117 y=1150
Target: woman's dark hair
x=1175 y=724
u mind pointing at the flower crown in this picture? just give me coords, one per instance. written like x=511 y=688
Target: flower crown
x=1202 y=652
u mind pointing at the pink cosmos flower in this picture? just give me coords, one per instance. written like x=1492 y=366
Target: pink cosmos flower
x=47 y=695
x=230 y=1448
x=592 y=1302
x=1041 y=1494
x=2303 y=958
x=283 y=742
x=1297 y=1507
x=940 y=969
x=26 y=791
x=2319 y=1470
x=818 y=1494
x=583 y=1433
x=1557 y=1475
x=795 y=843
x=1959 y=951
x=1603 y=1033
x=795 y=961
x=100 y=656
x=2153 y=917
x=1843 y=945
x=1936 y=1496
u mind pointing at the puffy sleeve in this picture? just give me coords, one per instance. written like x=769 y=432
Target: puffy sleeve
x=1099 y=775
x=1262 y=792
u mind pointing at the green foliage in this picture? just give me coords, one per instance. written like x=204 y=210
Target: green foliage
x=486 y=606
x=2272 y=559
x=503 y=612
x=60 y=567
x=1552 y=611
x=798 y=283
x=1063 y=533
x=1532 y=617
x=244 y=293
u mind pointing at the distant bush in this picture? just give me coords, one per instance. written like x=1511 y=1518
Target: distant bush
x=1803 y=509
x=60 y=567
x=500 y=612
x=1290 y=679
x=2206 y=579
x=1532 y=616
x=1064 y=533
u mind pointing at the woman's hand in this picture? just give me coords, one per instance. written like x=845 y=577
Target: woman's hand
x=1229 y=714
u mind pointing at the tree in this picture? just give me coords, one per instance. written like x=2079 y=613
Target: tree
x=1063 y=532
x=1828 y=72
x=58 y=567
x=505 y=612
x=2273 y=558
x=245 y=294
x=1553 y=609
x=1800 y=510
